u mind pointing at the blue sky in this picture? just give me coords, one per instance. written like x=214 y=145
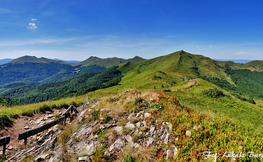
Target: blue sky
x=78 y=29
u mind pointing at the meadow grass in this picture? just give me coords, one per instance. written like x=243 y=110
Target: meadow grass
x=7 y=114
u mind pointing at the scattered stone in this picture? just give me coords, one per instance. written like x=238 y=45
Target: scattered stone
x=118 y=129
x=140 y=114
x=172 y=152
x=84 y=159
x=129 y=140
x=168 y=154
x=130 y=116
x=42 y=157
x=26 y=127
x=51 y=160
x=117 y=144
x=146 y=115
x=175 y=151
x=188 y=133
x=152 y=129
x=48 y=112
x=9 y=147
x=102 y=127
x=109 y=125
x=167 y=138
x=149 y=142
x=162 y=137
x=91 y=147
x=170 y=126
x=50 y=116
x=144 y=123
x=129 y=125
x=136 y=145
x=138 y=124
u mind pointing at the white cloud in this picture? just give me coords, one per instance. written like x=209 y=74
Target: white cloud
x=32 y=26
x=34 y=20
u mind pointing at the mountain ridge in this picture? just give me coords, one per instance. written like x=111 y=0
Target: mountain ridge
x=107 y=62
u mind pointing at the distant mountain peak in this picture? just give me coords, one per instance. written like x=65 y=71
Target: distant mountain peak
x=32 y=59
x=107 y=62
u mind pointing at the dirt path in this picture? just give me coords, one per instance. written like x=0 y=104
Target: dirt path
x=19 y=126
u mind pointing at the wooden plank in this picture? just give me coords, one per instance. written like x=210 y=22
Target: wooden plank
x=36 y=130
x=4 y=140
x=67 y=111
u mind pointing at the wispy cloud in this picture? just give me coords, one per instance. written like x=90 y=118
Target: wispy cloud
x=32 y=26
x=2 y=10
x=32 y=42
x=34 y=20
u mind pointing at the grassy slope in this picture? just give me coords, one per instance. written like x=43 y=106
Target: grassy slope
x=175 y=68
x=227 y=122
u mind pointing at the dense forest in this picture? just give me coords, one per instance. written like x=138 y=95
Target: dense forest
x=75 y=86
x=7 y=101
x=249 y=83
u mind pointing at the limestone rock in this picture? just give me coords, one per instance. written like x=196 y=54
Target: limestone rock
x=172 y=152
x=117 y=145
x=92 y=146
x=129 y=140
x=118 y=129
x=130 y=116
x=138 y=124
x=129 y=125
x=146 y=115
x=42 y=157
x=167 y=138
x=149 y=142
x=26 y=127
x=140 y=114
x=152 y=129
x=84 y=159
x=144 y=123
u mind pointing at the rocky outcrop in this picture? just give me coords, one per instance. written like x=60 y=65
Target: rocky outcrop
x=135 y=131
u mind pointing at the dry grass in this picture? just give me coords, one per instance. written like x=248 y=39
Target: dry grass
x=115 y=103
x=144 y=154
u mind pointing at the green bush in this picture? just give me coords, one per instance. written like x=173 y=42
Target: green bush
x=45 y=108
x=106 y=118
x=138 y=101
x=95 y=115
x=129 y=158
x=215 y=93
x=155 y=105
x=5 y=121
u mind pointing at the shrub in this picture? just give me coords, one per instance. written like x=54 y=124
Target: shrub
x=106 y=118
x=5 y=121
x=138 y=101
x=155 y=105
x=129 y=158
x=45 y=108
x=215 y=93
x=95 y=115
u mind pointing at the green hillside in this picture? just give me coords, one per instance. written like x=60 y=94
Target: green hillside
x=48 y=91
